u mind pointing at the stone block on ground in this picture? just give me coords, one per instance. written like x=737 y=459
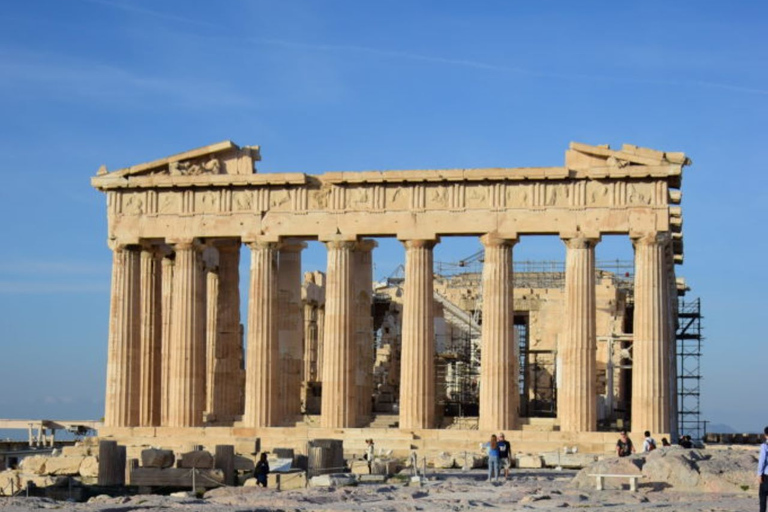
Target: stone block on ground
x=529 y=462
x=443 y=460
x=568 y=460
x=282 y=453
x=384 y=467
x=76 y=450
x=199 y=459
x=9 y=482
x=34 y=464
x=359 y=467
x=89 y=468
x=157 y=458
x=63 y=465
x=333 y=480
x=372 y=479
x=43 y=480
x=294 y=479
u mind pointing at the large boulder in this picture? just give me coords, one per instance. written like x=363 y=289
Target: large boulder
x=612 y=466
x=63 y=465
x=77 y=450
x=359 y=467
x=673 y=467
x=34 y=464
x=728 y=471
x=156 y=458
x=199 y=459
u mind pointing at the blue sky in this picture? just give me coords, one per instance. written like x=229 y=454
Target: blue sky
x=343 y=85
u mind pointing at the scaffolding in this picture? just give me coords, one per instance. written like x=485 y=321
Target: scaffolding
x=689 y=339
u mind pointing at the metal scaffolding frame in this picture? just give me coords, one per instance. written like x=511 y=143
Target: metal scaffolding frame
x=689 y=343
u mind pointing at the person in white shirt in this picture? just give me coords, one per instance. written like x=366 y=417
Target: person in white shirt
x=649 y=444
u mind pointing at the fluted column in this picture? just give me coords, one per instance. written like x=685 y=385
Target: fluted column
x=499 y=395
x=650 y=348
x=417 y=374
x=577 y=350
x=228 y=374
x=186 y=387
x=672 y=340
x=121 y=404
x=165 y=351
x=150 y=337
x=364 y=327
x=338 y=407
x=262 y=353
x=310 y=343
x=290 y=329
x=211 y=269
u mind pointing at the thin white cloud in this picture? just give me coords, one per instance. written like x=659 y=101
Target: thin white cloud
x=132 y=8
x=502 y=68
x=65 y=77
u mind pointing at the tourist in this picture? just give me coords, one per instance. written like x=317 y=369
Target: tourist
x=762 y=471
x=624 y=446
x=686 y=442
x=664 y=442
x=493 y=458
x=504 y=455
x=369 y=451
x=649 y=444
x=262 y=470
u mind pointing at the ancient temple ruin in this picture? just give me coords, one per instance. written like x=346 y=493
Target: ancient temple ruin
x=331 y=344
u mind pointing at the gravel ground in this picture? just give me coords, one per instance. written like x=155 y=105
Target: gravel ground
x=449 y=491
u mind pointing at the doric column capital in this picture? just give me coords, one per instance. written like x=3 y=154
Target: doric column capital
x=659 y=238
x=419 y=244
x=256 y=245
x=292 y=245
x=580 y=240
x=181 y=244
x=498 y=240
x=340 y=244
x=366 y=245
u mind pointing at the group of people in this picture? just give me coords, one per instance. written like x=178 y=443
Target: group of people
x=625 y=448
x=498 y=449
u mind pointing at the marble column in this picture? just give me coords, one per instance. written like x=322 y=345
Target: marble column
x=290 y=329
x=186 y=386
x=364 y=327
x=672 y=340
x=121 y=403
x=211 y=269
x=150 y=337
x=339 y=397
x=499 y=395
x=650 y=347
x=417 y=374
x=262 y=353
x=228 y=372
x=165 y=353
x=577 y=350
x=310 y=343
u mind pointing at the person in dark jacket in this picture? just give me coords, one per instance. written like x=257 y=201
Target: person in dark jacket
x=262 y=470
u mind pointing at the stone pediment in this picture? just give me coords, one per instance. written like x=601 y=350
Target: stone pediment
x=221 y=158
x=583 y=156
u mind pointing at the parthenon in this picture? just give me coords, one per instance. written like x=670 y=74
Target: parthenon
x=181 y=357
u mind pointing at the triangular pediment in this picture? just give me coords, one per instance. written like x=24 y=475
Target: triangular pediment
x=222 y=158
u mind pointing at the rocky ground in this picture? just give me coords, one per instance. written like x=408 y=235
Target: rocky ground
x=450 y=490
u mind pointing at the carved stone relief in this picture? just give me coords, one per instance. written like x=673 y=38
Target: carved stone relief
x=194 y=167
x=242 y=200
x=133 y=203
x=358 y=198
x=477 y=196
x=397 y=198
